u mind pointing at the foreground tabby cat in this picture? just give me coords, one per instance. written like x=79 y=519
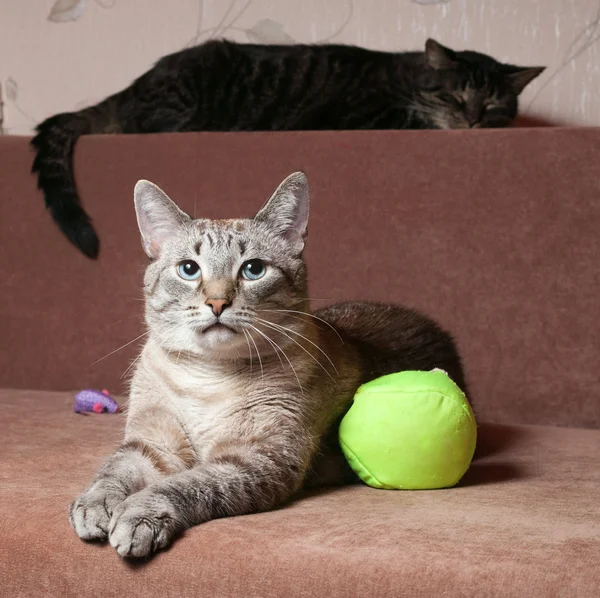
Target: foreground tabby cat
x=224 y=86
x=239 y=390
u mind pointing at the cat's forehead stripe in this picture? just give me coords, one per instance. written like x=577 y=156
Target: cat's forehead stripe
x=235 y=224
x=221 y=234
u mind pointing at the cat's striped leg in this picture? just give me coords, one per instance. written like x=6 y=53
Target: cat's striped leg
x=237 y=479
x=132 y=467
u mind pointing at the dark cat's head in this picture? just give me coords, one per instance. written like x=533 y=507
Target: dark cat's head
x=460 y=90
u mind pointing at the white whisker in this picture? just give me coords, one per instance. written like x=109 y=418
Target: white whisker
x=165 y=325
x=265 y=323
x=121 y=347
x=306 y=339
x=131 y=365
x=305 y=321
x=294 y=311
x=249 y=347
x=262 y=373
x=276 y=346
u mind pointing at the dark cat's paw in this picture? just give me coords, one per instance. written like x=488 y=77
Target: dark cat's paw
x=91 y=513
x=142 y=524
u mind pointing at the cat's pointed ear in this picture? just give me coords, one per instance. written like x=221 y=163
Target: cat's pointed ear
x=520 y=76
x=157 y=215
x=286 y=213
x=438 y=56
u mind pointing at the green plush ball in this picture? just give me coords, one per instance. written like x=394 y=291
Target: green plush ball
x=409 y=430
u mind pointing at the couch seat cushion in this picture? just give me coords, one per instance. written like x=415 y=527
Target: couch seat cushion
x=525 y=521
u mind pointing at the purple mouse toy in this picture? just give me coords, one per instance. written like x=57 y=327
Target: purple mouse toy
x=96 y=401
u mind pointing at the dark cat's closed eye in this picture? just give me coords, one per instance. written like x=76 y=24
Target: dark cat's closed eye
x=460 y=102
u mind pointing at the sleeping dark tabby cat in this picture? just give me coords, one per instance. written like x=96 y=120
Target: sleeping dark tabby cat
x=224 y=86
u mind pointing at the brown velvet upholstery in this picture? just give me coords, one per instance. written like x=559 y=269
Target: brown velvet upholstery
x=495 y=233
x=525 y=522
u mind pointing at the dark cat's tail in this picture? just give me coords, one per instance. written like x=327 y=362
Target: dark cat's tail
x=53 y=163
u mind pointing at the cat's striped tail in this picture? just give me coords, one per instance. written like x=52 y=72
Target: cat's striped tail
x=54 y=145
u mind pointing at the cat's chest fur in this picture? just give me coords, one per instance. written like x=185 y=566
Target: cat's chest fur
x=199 y=402
x=207 y=399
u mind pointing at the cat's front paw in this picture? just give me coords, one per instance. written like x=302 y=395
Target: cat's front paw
x=91 y=513
x=143 y=524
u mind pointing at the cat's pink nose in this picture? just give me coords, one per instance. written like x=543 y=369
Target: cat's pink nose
x=217 y=305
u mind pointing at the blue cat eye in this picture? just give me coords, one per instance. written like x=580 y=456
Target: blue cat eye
x=253 y=269
x=189 y=270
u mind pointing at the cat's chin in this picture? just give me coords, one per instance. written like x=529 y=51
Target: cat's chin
x=219 y=338
x=217 y=327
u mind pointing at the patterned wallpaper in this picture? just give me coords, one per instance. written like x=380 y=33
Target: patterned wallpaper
x=60 y=55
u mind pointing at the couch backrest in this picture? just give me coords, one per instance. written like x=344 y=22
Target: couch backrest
x=494 y=233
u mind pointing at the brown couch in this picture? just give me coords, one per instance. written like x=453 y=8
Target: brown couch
x=494 y=233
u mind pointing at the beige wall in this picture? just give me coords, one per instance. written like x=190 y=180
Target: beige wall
x=58 y=55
